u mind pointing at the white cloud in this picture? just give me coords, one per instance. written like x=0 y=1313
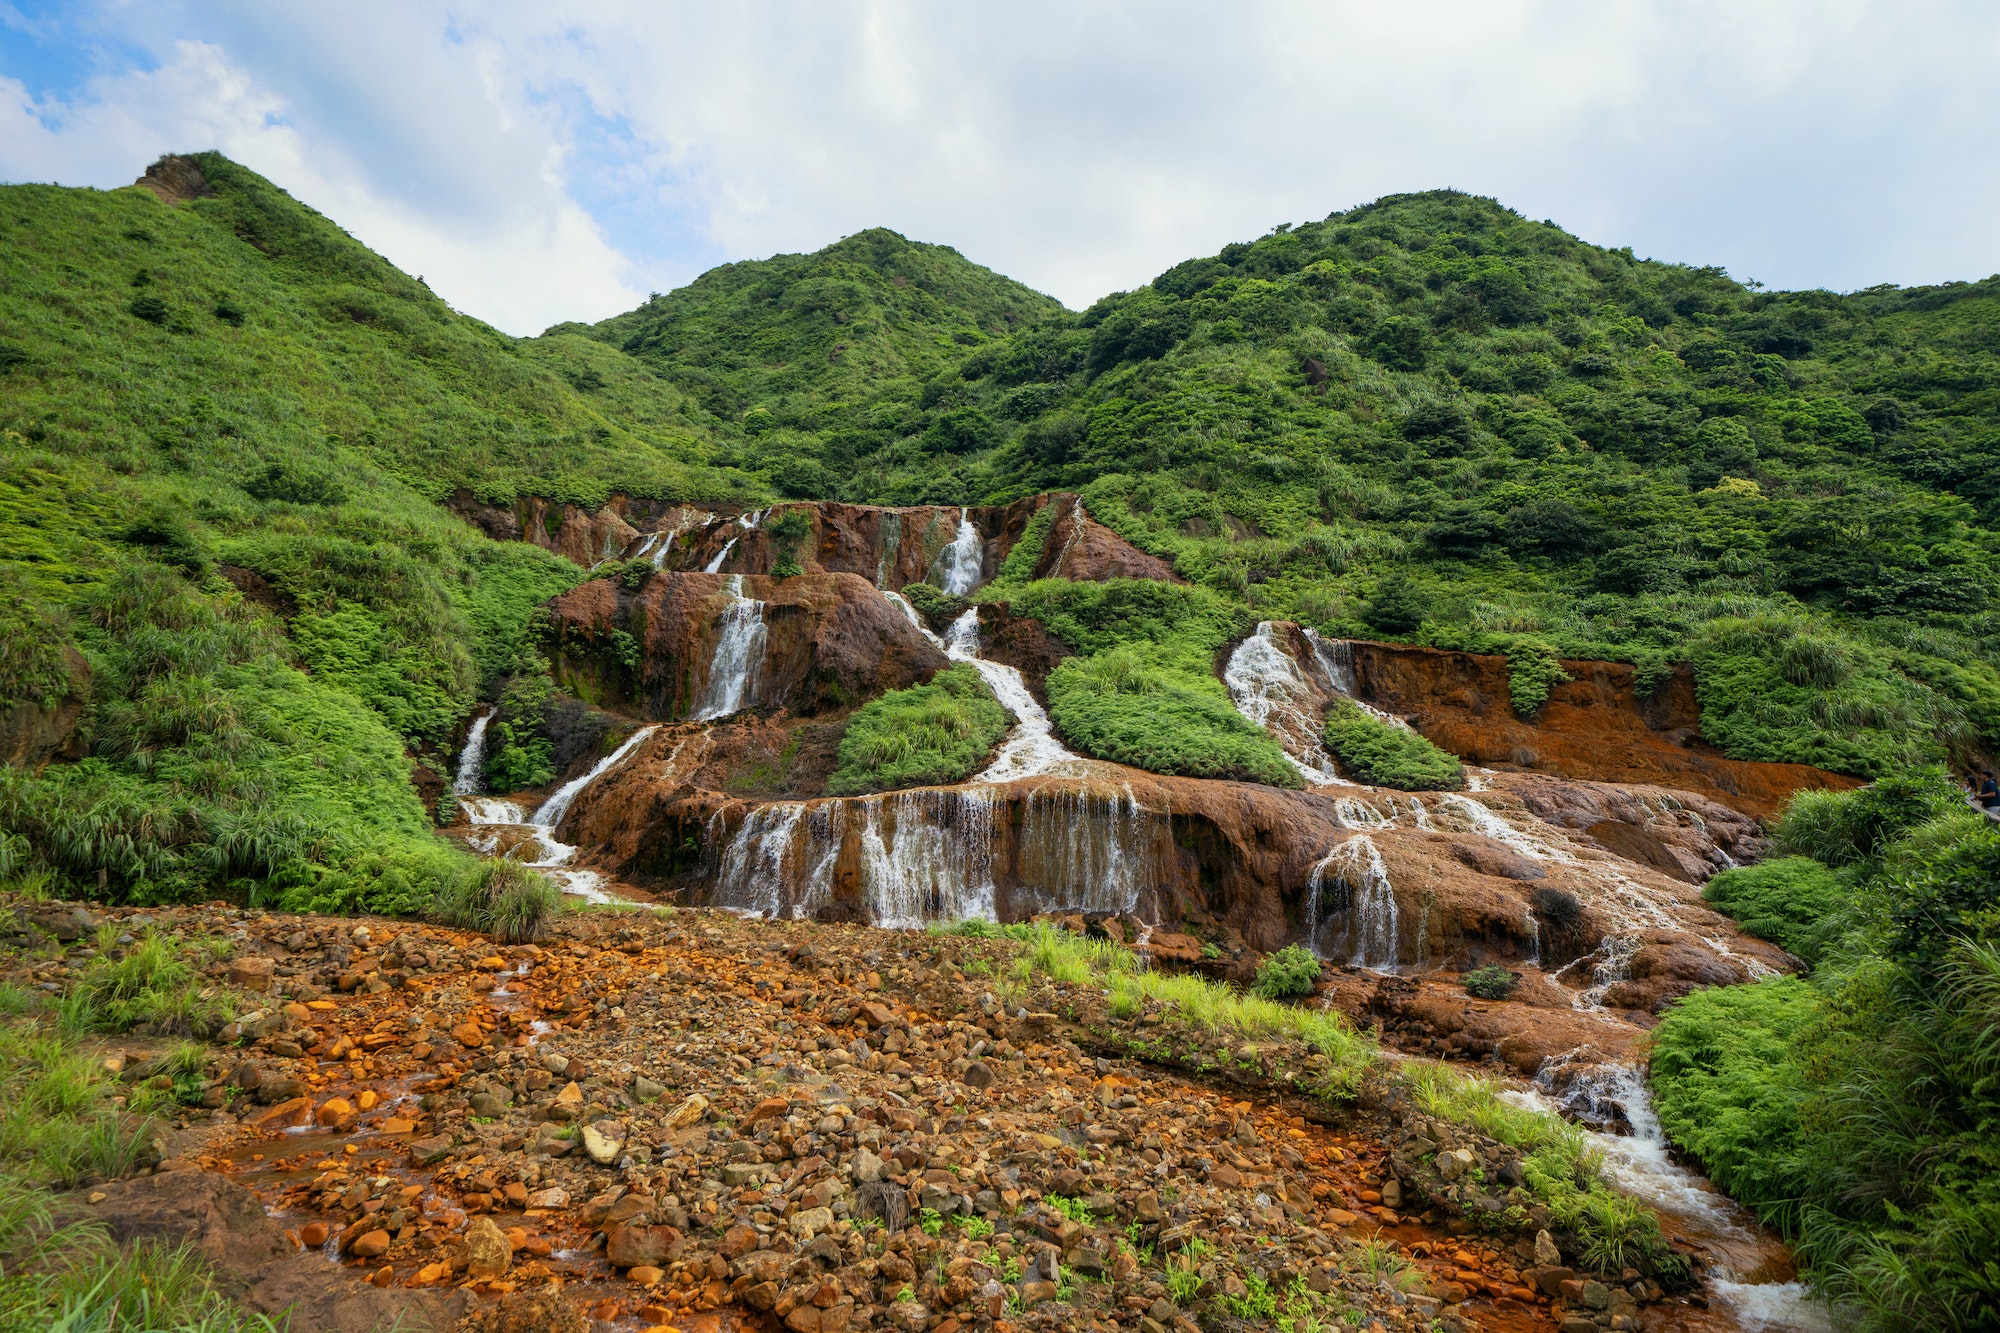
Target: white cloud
x=507 y=246
x=538 y=161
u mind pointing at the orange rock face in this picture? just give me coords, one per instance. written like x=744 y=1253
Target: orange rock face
x=1594 y=727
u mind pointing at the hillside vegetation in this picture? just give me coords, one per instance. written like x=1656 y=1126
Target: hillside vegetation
x=1431 y=419
x=225 y=428
x=1854 y=1108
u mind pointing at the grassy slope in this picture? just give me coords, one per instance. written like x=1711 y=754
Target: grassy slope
x=188 y=393
x=1555 y=441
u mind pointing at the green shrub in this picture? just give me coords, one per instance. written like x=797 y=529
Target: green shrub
x=1532 y=671
x=1794 y=902
x=1727 y=1082
x=1291 y=971
x=1490 y=983
x=1842 y=828
x=1382 y=755
x=502 y=899
x=937 y=607
x=922 y=736
x=1161 y=713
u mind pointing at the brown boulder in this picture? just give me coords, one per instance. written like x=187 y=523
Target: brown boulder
x=630 y=1246
x=1492 y=858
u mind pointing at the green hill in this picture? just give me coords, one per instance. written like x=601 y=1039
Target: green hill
x=812 y=365
x=206 y=389
x=1431 y=418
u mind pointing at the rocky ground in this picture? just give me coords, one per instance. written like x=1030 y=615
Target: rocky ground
x=680 y=1119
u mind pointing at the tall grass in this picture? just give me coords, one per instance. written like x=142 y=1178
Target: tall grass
x=503 y=899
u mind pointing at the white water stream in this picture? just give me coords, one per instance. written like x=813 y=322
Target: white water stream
x=1268 y=688
x=472 y=758
x=958 y=566
x=1643 y=1166
x=551 y=855
x=1370 y=916
x=739 y=658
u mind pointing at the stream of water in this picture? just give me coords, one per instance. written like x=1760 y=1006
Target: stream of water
x=1749 y=1271
x=505 y=825
x=959 y=565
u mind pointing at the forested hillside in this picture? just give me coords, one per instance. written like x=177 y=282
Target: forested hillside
x=1430 y=418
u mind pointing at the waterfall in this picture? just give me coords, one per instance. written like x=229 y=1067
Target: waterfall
x=1084 y=850
x=927 y=855
x=1356 y=867
x=1268 y=689
x=1641 y=1163
x=958 y=565
x=552 y=811
x=1335 y=658
x=1076 y=517
x=715 y=565
x=892 y=542
x=739 y=654
x=1359 y=814
x=752 y=521
x=1031 y=748
x=1534 y=929
x=467 y=780
x=491 y=810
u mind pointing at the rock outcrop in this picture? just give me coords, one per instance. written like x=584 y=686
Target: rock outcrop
x=828 y=641
x=1595 y=727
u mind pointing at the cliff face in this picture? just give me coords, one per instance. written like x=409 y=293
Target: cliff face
x=1595 y=727
x=889 y=547
x=820 y=641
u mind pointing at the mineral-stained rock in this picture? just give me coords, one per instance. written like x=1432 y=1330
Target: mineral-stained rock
x=630 y=1246
x=487 y=1253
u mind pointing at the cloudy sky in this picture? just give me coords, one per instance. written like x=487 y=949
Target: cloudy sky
x=545 y=160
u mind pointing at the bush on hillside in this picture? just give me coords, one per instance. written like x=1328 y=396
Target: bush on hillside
x=1794 y=902
x=1149 y=710
x=926 y=735
x=1490 y=983
x=1843 y=828
x=1374 y=752
x=1290 y=972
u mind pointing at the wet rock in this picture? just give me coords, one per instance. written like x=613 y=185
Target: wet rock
x=429 y=1151
x=251 y=974
x=631 y=1246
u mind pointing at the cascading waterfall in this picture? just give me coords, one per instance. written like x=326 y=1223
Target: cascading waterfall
x=1335 y=658
x=892 y=542
x=958 y=565
x=1360 y=814
x=470 y=759
x=1355 y=867
x=739 y=654
x=1070 y=539
x=715 y=566
x=1268 y=689
x=757 y=864
x=1085 y=850
x=927 y=855
x=551 y=813
x=1031 y=748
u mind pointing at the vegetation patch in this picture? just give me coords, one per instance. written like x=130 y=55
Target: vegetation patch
x=1164 y=713
x=925 y=735
x=1383 y=755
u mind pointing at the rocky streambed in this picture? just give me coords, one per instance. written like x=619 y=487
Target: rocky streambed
x=684 y=1119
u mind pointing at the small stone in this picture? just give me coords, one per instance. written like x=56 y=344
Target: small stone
x=738 y=1240
x=640 y=1247
x=603 y=1149
x=487 y=1253
x=978 y=1074
x=645 y=1275
x=425 y=1152
x=868 y=1168
x=313 y=1234
x=1454 y=1163
x=1392 y=1192
x=336 y=1113
x=646 y=1090
x=251 y=974
x=285 y=1115
x=552 y=1197
x=809 y=1222
x=688 y=1112
x=1546 y=1253
x=371 y=1245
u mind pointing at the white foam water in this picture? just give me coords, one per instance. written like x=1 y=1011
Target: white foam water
x=1372 y=918
x=470 y=759
x=1031 y=748
x=739 y=656
x=1269 y=690
x=715 y=566
x=958 y=565
x=551 y=813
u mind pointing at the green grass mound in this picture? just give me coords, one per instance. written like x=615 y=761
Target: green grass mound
x=1794 y=902
x=923 y=736
x=1385 y=756
x=1143 y=708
